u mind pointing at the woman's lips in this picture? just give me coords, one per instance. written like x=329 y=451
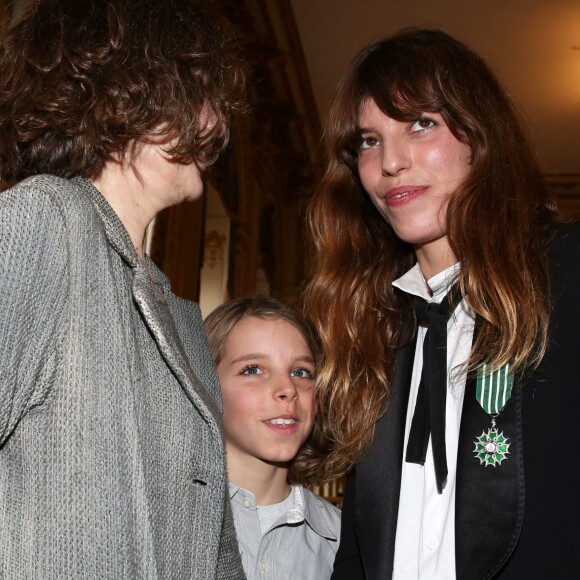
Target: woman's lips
x=404 y=194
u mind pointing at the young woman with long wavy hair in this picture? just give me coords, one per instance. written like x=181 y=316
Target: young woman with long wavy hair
x=456 y=423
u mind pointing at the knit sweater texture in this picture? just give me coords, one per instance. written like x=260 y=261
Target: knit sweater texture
x=111 y=444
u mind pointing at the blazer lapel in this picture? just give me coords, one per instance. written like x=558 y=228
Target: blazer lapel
x=157 y=315
x=489 y=501
x=378 y=476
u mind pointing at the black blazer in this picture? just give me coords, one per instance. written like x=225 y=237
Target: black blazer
x=517 y=521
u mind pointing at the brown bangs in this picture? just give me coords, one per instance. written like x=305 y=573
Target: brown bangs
x=401 y=92
x=406 y=83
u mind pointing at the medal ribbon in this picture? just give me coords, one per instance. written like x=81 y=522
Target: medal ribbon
x=494 y=388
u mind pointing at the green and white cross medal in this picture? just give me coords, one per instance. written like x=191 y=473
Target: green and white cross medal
x=493 y=391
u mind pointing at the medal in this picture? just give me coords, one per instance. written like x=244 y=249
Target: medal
x=493 y=391
x=491 y=448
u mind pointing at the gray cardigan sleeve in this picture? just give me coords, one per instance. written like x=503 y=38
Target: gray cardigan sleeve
x=33 y=267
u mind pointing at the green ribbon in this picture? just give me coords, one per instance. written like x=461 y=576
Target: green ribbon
x=494 y=388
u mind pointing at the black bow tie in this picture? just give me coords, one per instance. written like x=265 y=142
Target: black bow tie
x=429 y=415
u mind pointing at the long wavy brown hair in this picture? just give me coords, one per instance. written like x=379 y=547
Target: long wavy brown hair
x=304 y=468
x=497 y=224
x=82 y=81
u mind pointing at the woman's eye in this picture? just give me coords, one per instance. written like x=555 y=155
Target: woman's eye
x=302 y=373
x=367 y=143
x=252 y=370
x=422 y=124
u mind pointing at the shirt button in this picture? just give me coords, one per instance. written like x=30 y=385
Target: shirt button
x=432 y=543
x=262 y=566
x=247 y=502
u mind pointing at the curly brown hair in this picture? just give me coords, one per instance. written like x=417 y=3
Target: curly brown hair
x=304 y=468
x=498 y=223
x=85 y=80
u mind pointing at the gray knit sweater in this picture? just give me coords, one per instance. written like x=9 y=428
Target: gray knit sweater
x=111 y=447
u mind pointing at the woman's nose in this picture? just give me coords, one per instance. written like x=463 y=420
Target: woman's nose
x=395 y=157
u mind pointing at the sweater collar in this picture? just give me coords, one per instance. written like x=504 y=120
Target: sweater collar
x=116 y=232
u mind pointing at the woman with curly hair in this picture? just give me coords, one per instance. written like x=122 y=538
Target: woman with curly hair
x=445 y=294
x=111 y=445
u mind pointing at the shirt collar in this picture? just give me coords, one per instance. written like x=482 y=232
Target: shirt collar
x=432 y=290
x=316 y=514
x=237 y=492
x=305 y=508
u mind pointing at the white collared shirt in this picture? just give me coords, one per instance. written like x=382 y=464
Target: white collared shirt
x=425 y=538
x=295 y=539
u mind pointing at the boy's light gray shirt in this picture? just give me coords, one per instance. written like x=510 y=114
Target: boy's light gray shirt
x=111 y=445
x=301 y=545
